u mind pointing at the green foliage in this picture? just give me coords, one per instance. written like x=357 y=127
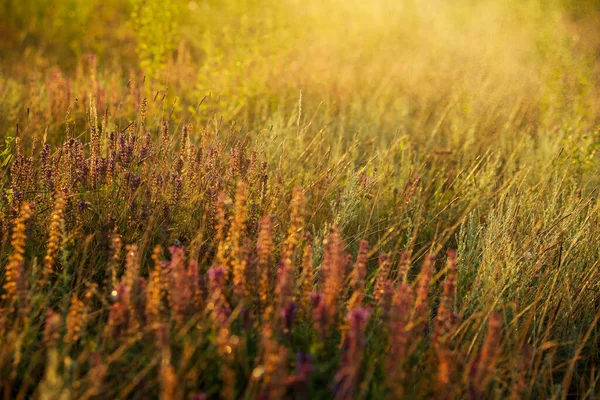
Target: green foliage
x=157 y=26
x=7 y=153
x=470 y=126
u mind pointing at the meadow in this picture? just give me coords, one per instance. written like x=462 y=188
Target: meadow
x=299 y=199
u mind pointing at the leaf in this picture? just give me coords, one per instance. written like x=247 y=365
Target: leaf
x=6 y=159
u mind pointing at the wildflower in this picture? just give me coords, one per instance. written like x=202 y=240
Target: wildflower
x=306 y=275
x=275 y=371
x=444 y=324
x=226 y=346
x=116 y=245
x=347 y=377
x=483 y=366
x=168 y=378
x=296 y=222
x=404 y=266
x=524 y=362
x=180 y=293
x=359 y=273
x=220 y=227
x=399 y=338
x=55 y=237
x=177 y=194
x=288 y=314
x=51 y=385
x=75 y=320
x=47 y=168
x=164 y=138
x=264 y=249
x=126 y=147
x=238 y=223
x=97 y=373
x=194 y=280
x=145 y=150
x=52 y=329
x=16 y=258
x=132 y=266
x=421 y=309
x=283 y=288
x=183 y=150
x=320 y=316
x=381 y=278
x=154 y=292
x=118 y=317
x=333 y=269
x=217 y=303
x=143 y=109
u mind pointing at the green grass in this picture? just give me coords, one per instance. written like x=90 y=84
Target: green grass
x=174 y=183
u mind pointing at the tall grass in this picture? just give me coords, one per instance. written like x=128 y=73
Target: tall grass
x=302 y=200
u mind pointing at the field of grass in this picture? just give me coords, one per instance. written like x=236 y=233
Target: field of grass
x=316 y=199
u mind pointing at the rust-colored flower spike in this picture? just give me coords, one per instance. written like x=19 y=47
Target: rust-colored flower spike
x=75 y=320
x=359 y=274
x=95 y=150
x=217 y=303
x=96 y=375
x=483 y=367
x=296 y=222
x=273 y=369
x=154 y=291
x=348 y=375
x=264 y=185
x=421 y=310
x=20 y=172
x=168 y=378
x=111 y=163
x=520 y=386
x=234 y=239
x=283 y=288
x=334 y=270
x=52 y=329
x=164 y=138
x=180 y=292
x=399 y=338
x=443 y=321
x=47 y=167
x=118 y=317
x=183 y=150
x=221 y=226
x=307 y=276
x=132 y=266
x=246 y=255
x=145 y=150
x=443 y=326
x=382 y=276
x=264 y=250
x=55 y=235
x=116 y=245
x=143 y=110
x=404 y=266
x=410 y=189
x=130 y=281
x=16 y=258
x=193 y=276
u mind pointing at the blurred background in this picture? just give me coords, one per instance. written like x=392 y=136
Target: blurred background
x=389 y=64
